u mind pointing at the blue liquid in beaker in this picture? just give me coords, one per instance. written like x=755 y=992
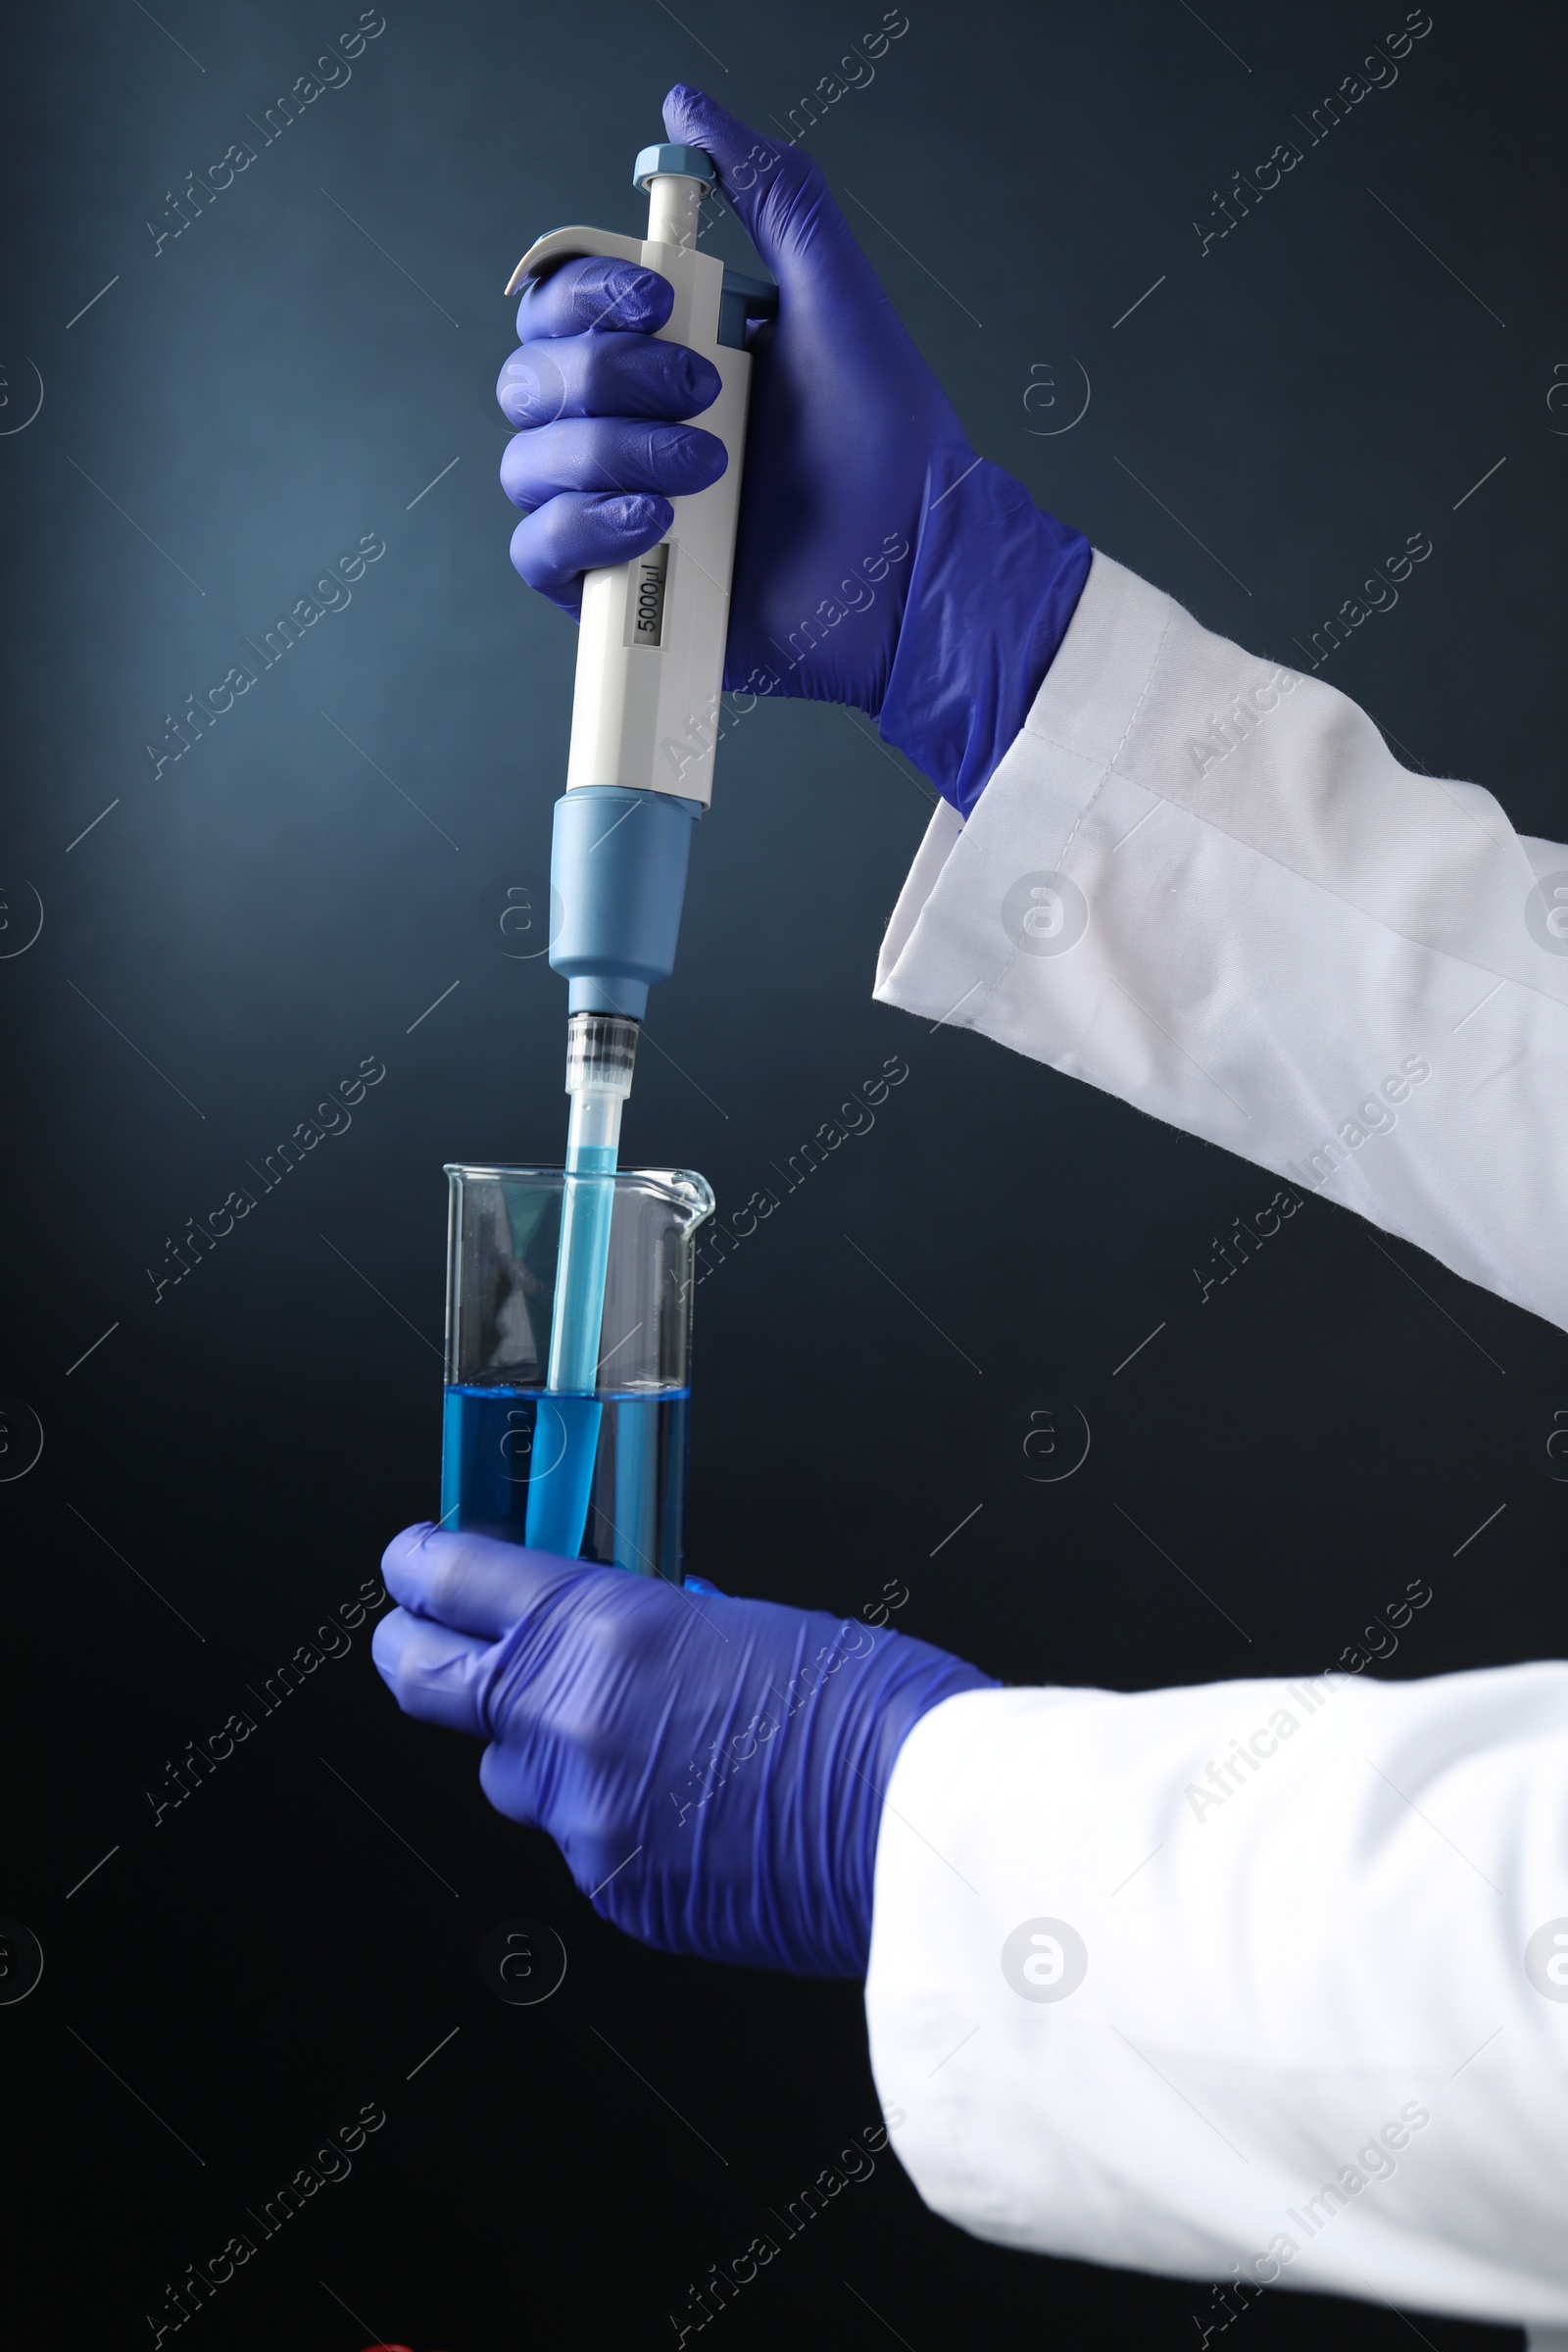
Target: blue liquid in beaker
x=497 y=1442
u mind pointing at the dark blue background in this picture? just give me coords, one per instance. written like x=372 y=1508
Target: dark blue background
x=235 y=935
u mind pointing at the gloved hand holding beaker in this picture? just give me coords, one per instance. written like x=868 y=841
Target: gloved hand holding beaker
x=712 y=1769
x=880 y=562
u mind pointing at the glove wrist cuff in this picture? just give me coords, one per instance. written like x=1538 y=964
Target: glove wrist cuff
x=993 y=588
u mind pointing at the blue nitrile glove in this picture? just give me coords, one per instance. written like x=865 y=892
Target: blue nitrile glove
x=713 y=1770
x=880 y=563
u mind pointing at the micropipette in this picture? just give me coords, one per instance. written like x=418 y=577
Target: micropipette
x=639 y=775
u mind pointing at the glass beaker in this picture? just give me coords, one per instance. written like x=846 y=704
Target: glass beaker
x=525 y=1462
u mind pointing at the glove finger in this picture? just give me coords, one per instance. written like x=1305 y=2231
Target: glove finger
x=609 y=453
x=573 y=534
x=597 y=1844
x=510 y=1782
x=782 y=201
x=604 y=375
x=594 y=292
x=430 y=1671
x=471 y=1583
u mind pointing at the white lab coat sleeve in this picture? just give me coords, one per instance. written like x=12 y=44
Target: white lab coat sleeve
x=1201 y=882
x=1256 y=1980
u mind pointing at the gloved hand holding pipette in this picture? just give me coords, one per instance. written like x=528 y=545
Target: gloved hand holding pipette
x=870 y=533
x=713 y=1769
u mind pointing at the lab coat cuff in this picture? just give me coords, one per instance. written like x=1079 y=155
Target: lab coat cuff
x=947 y=961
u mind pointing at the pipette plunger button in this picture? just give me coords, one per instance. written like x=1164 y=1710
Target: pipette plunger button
x=690 y=162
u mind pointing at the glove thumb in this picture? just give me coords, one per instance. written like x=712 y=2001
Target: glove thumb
x=781 y=200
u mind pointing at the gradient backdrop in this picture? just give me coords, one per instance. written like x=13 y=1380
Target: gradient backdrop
x=306 y=369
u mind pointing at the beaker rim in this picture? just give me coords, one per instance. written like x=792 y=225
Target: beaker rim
x=684 y=1188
